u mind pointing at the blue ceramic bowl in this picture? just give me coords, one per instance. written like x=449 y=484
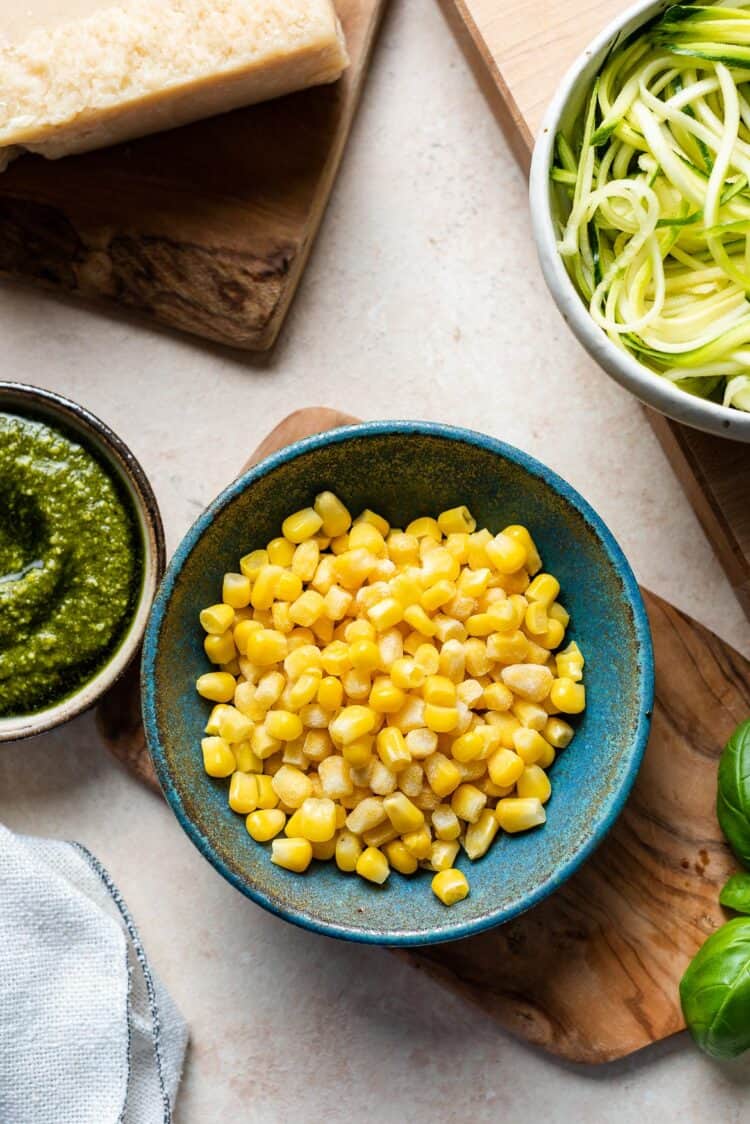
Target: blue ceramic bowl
x=405 y=469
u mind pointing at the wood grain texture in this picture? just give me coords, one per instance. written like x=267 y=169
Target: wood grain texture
x=205 y=229
x=592 y=973
x=519 y=53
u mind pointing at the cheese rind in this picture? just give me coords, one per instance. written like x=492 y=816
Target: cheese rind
x=146 y=65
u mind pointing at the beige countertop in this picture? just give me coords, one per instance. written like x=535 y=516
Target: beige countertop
x=422 y=299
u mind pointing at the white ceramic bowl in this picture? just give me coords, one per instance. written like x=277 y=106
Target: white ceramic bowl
x=44 y=405
x=623 y=367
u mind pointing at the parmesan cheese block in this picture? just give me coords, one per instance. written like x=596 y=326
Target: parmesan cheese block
x=83 y=74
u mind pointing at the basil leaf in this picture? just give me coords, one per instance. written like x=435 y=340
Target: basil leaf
x=733 y=801
x=715 y=991
x=736 y=893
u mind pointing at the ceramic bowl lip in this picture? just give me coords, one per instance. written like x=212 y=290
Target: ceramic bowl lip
x=47 y=403
x=615 y=800
x=624 y=368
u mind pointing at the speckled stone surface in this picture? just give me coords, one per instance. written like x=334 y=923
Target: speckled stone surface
x=422 y=298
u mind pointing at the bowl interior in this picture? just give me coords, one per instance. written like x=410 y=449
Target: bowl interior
x=550 y=204
x=94 y=435
x=405 y=470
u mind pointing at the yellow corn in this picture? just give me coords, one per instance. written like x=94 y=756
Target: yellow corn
x=314 y=819
x=507 y=647
x=265 y=646
x=404 y=815
x=400 y=857
x=521 y=535
x=519 y=813
x=569 y=662
x=368 y=536
x=262 y=744
x=445 y=822
x=418 y=843
x=335 y=777
x=417 y=618
x=468 y=747
x=543 y=589
x=216 y=619
x=348 y=850
x=303 y=659
x=235 y=590
x=233 y=725
x=368 y=814
x=264 y=586
x=443 y=854
x=264 y=825
x=497 y=696
x=252 y=563
x=534 y=782
x=424 y=526
x=530 y=714
x=372 y=519
x=301 y=525
x=505 y=553
x=378 y=836
x=305 y=689
x=307 y=608
x=352 y=723
x=479 y=835
x=456 y=520
x=535 y=618
x=568 y=696
x=385 y=696
x=354 y=567
x=558 y=733
x=247 y=761
x=284 y=725
x=280 y=552
x=450 y=886
x=291 y=786
x=440 y=691
x=373 y=866
x=218 y=759
x=267 y=797
x=335 y=519
x=552 y=637
x=243 y=793
x=437 y=595
x=505 y=767
x=217 y=686
x=443 y=775
x=529 y=681
x=468 y=802
x=441 y=719
x=220 y=649
x=420 y=741
x=292 y=854
x=529 y=745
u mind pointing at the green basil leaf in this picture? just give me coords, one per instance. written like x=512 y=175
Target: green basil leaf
x=733 y=801
x=736 y=893
x=715 y=991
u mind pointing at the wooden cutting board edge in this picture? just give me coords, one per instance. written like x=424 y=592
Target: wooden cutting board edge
x=676 y=440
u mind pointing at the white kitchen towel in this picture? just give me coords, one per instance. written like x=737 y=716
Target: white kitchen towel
x=88 y=1034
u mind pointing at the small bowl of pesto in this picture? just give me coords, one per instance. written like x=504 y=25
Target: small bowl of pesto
x=81 y=555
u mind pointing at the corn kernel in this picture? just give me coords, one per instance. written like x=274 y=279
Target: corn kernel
x=368 y=814
x=569 y=662
x=505 y=553
x=359 y=753
x=233 y=725
x=262 y=744
x=521 y=535
x=418 y=843
x=386 y=613
x=411 y=779
x=335 y=777
x=421 y=742
x=348 y=850
x=392 y=749
x=357 y=684
x=220 y=649
x=304 y=690
x=291 y=786
x=334 y=658
x=335 y=519
x=439 y=691
x=534 y=782
x=456 y=520
x=303 y=659
x=217 y=686
x=558 y=733
x=496 y=696
x=283 y=725
x=535 y=618
x=265 y=646
x=365 y=535
x=468 y=747
x=552 y=637
x=218 y=759
x=530 y=681
x=479 y=835
x=404 y=815
x=443 y=775
x=468 y=802
x=530 y=714
x=443 y=854
x=457 y=542
x=330 y=693
x=519 y=813
x=543 y=590
x=280 y=552
x=441 y=719
x=470 y=692
x=424 y=526
x=568 y=696
x=243 y=793
x=529 y=745
x=300 y=526
x=314 y=819
x=267 y=797
x=292 y=854
x=324 y=851
x=216 y=619
x=252 y=563
x=507 y=647
x=264 y=825
x=382 y=780
x=505 y=767
x=264 y=586
x=354 y=567
x=506 y=616
x=445 y=822
x=437 y=595
x=411 y=715
x=373 y=865
x=450 y=886
x=400 y=858
x=247 y=761
x=477 y=655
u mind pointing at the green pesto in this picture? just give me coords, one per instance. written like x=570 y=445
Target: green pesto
x=70 y=565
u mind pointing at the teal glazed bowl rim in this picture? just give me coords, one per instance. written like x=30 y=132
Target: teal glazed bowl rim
x=607 y=810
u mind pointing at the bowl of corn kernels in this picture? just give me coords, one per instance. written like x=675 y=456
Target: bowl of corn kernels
x=397 y=682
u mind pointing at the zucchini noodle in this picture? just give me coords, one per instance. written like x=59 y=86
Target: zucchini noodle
x=655 y=180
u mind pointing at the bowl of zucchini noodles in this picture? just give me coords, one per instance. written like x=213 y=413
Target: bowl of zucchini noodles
x=640 y=200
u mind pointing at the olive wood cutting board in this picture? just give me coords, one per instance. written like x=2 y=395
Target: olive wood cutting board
x=520 y=52
x=206 y=228
x=590 y=974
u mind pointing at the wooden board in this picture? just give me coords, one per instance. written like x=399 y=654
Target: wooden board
x=520 y=52
x=206 y=228
x=591 y=974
